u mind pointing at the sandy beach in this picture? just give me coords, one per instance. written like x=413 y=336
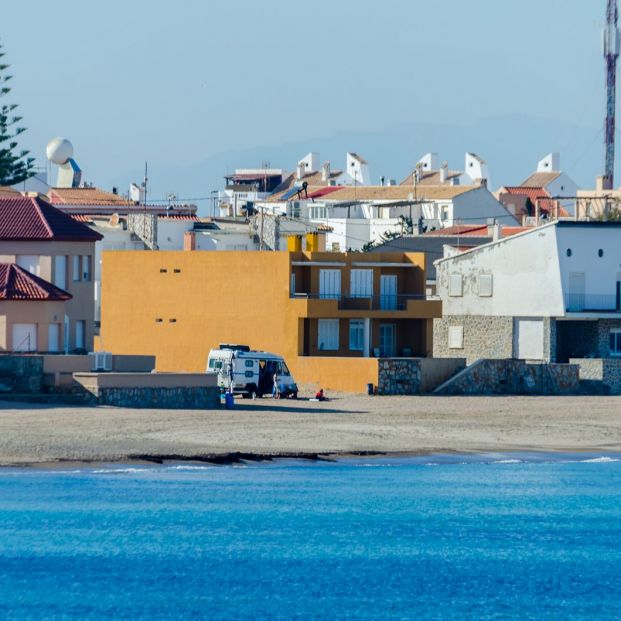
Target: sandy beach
x=35 y=434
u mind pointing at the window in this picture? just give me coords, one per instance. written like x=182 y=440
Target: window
x=80 y=327
x=328 y=334
x=600 y=253
x=569 y=252
x=60 y=271
x=456 y=337
x=615 y=342
x=356 y=335
x=330 y=284
x=29 y=262
x=86 y=268
x=249 y=363
x=249 y=374
x=455 y=285
x=361 y=283
x=77 y=268
x=318 y=213
x=485 y=285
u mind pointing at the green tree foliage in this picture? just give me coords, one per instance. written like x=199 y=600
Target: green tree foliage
x=15 y=165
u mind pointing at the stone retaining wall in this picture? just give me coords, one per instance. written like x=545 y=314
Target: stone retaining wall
x=190 y=398
x=413 y=376
x=513 y=377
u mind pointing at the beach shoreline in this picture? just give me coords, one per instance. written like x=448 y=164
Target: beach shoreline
x=345 y=427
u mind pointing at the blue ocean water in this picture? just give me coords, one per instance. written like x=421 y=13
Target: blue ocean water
x=484 y=537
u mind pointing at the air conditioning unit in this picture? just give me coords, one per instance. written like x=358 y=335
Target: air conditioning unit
x=103 y=361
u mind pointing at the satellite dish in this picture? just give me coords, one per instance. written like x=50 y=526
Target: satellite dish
x=59 y=151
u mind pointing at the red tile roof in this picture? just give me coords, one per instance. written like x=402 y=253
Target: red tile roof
x=18 y=284
x=27 y=218
x=325 y=191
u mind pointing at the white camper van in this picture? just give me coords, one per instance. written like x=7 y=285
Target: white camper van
x=251 y=373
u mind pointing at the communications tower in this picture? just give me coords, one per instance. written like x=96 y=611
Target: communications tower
x=611 y=53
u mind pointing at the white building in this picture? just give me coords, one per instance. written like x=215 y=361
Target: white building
x=551 y=178
x=359 y=215
x=551 y=293
x=429 y=171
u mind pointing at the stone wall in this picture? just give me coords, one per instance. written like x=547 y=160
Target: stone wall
x=513 y=377
x=599 y=375
x=398 y=376
x=21 y=374
x=413 y=376
x=484 y=337
x=190 y=398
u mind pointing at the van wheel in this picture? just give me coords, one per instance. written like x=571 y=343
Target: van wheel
x=255 y=395
x=294 y=395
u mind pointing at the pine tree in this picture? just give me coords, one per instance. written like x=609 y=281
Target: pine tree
x=15 y=166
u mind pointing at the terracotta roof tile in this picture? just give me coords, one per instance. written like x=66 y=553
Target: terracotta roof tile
x=399 y=192
x=19 y=285
x=86 y=196
x=540 y=179
x=430 y=177
x=33 y=219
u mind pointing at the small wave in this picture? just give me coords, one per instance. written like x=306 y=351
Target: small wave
x=508 y=461
x=599 y=460
x=190 y=468
x=119 y=470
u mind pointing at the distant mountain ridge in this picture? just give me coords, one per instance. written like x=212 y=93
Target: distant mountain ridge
x=511 y=145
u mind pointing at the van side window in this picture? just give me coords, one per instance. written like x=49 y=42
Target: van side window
x=249 y=374
x=249 y=363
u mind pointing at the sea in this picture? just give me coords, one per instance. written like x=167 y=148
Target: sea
x=490 y=536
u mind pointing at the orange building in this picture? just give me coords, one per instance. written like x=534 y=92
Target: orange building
x=331 y=315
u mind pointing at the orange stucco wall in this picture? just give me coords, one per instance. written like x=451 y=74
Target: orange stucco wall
x=178 y=305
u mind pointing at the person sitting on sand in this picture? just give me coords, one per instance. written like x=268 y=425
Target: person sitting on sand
x=319 y=396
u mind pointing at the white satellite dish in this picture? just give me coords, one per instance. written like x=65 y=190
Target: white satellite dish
x=59 y=151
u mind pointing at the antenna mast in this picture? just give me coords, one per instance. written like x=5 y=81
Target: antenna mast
x=611 y=53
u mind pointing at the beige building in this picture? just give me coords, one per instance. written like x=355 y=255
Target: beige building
x=52 y=310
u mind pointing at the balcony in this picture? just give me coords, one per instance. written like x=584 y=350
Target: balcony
x=592 y=303
x=408 y=305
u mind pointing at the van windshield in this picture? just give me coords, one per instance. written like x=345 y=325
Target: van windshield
x=283 y=369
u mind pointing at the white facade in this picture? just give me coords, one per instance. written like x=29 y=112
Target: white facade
x=563 y=270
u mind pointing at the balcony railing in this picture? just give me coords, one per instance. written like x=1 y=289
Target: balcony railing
x=386 y=302
x=592 y=303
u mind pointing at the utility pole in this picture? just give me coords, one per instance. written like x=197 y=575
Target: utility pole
x=611 y=53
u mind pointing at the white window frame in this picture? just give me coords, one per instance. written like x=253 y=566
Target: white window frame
x=356 y=334
x=456 y=337
x=360 y=285
x=486 y=285
x=328 y=337
x=456 y=285
x=76 y=268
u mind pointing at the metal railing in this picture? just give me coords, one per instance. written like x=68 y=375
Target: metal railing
x=592 y=303
x=348 y=301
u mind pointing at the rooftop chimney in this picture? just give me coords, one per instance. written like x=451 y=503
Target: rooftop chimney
x=325 y=172
x=444 y=172
x=301 y=169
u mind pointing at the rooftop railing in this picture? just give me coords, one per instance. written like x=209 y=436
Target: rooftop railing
x=592 y=303
x=349 y=301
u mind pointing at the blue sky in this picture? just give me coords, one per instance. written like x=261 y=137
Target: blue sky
x=181 y=83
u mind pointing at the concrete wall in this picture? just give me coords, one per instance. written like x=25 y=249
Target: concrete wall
x=513 y=377
x=179 y=305
x=339 y=374
x=435 y=371
x=525 y=274
x=152 y=390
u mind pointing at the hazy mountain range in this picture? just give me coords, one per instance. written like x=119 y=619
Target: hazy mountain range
x=511 y=145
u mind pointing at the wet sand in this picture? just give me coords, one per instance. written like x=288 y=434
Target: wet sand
x=38 y=435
